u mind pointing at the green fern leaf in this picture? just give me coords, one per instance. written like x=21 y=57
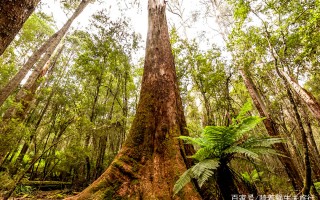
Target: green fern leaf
x=243 y=111
x=248 y=124
x=261 y=142
x=240 y=150
x=204 y=153
x=191 y=140
x=203 y=170
x=184 y=179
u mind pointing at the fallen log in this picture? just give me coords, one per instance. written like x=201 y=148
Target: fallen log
x=47 y=184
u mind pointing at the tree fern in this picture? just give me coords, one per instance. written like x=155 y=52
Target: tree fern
x=219 y=143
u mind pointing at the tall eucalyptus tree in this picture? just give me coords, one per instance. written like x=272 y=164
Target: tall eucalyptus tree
x=151 y=158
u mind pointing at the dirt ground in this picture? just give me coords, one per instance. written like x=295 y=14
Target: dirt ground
x=43 y=195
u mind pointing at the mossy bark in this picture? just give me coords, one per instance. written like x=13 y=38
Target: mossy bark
x=152 y=158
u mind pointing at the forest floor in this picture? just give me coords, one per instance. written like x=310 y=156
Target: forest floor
x=43 y=195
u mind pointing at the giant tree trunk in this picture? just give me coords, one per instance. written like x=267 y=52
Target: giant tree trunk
x=272 y=130
x=13 y=14
x=46 y=50
x=152 y=158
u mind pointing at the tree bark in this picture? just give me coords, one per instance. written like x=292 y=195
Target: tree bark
x=152 y=158
x=307 y=175
x=13 y=14
x=306 y=96
x=272 y=130
x=312 y=146
x=46 y=50
x=226 y=181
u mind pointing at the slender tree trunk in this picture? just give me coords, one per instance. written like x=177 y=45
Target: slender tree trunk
x=26 y=145
x=312 y=147
x=272 y=129
x=307 y=176
x=124 y=109
x=102 y=144
x=306 y=96
x=13 y=14
x=100 y=157
x=87 y=166
x=62 y=128
x=46 y=49
x=293 y=148
x=152 y=158
x=26 y=94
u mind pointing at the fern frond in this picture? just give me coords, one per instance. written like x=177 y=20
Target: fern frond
x=262 y=142
x=204 y=153
x=184 y=179
x=240 y=150
x=243 y=111
x=203 y=170
x=191 y=140
x=214 y=130
x=218 y=136
x=248 y=124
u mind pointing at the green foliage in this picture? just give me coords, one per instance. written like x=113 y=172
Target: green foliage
x=317 y=186
x=222 y=143
x=38 y=25
x=252 y=177
x=6 y=181
x=204 y=73
x=36 y=30
x=201 y=171
x=95 y=91
x=7 y=65
x=24 y=189
x=241 y=10
x=83 y=108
